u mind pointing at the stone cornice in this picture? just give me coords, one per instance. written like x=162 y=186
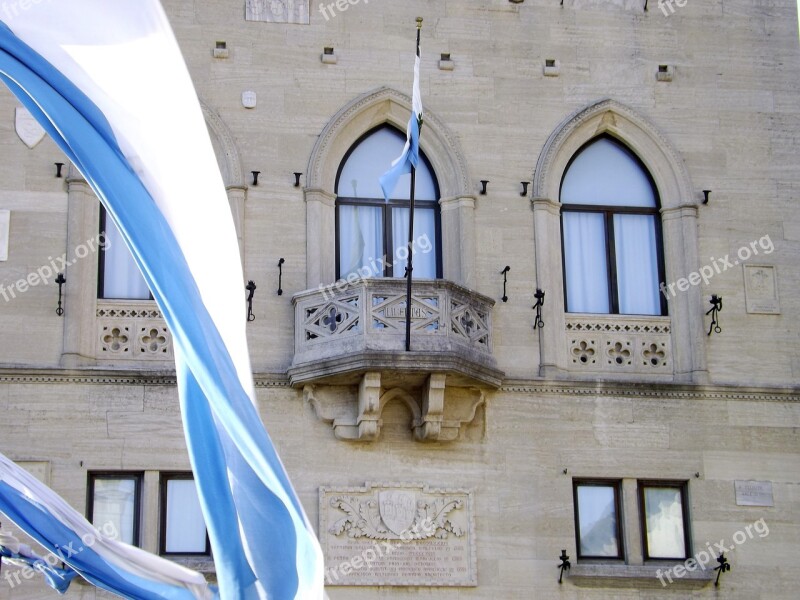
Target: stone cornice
x=105 y=376
x=671 y=391
x=95 y=376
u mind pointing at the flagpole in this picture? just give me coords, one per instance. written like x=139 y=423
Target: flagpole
x=410 y=267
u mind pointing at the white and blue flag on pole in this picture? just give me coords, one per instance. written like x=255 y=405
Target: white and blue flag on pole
x=410 y=155
x=106 y=79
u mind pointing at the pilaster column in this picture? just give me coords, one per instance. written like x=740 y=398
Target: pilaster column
x=458 y=240
x=547 y=234
x=80 y=303
x=320 y=237
x=686 y=308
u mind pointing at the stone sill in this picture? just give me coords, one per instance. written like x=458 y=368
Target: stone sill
x=636 y=576
x=202 y=564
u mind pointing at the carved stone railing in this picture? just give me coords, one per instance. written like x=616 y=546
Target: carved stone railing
x=131 y=331
x=360 y=327
x=619 y=344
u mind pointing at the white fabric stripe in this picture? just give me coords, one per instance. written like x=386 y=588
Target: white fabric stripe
x=179 y=169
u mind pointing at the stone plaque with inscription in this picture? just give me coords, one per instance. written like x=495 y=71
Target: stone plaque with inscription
x=761 y=289
x=398 y=535
x=753 y=493
x=277 y=11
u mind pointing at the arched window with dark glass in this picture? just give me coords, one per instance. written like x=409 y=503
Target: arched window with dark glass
x=611 y=233
x=372 y=234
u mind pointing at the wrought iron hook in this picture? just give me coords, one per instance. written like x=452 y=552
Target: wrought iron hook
x=60 y=280
x=251 y=289
x=716 y=308
x=280 y=276
x=505 y=280
x=564 y=566
x=539 y=295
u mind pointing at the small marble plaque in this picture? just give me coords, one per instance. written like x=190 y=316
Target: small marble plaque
x=761 y=289
x=398 y=535
x=5 y=220
x=27 y=127
x=277 y=11
x=753 y=493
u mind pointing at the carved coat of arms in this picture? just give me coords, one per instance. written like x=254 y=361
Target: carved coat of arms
x=28 y=128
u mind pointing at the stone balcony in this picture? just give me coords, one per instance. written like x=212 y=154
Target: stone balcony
x=343 y=332
x=351 y=361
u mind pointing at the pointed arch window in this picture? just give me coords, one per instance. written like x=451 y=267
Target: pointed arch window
x=372 y=234
x=611 y=233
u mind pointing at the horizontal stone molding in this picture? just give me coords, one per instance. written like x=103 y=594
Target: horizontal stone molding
x=11 y=374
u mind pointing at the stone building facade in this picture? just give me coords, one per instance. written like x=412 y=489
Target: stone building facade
x=623 y=428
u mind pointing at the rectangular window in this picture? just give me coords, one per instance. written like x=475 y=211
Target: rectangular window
x=663 y=510
x=361 y=241
x=114 y=504
x=424 y=243
x=598 y=526
x=119 y=276
x=636 y=250
x=585 y=261
x=183 y=528
x=372 y=239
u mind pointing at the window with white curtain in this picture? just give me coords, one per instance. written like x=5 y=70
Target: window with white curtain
x=183 y=528
x=662 y=506
x=611 y=233
x=119 y=275
x=372 y=234
x=114 y=505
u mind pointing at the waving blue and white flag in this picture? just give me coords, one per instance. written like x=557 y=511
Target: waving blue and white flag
x=410 y=155
x=107 y=81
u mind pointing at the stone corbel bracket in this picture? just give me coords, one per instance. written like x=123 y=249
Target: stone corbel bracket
x=436 y=416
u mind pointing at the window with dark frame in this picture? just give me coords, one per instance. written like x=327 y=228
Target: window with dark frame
x=598 y=519
x=372 y=234
x=182 y=527
x=612 y=249
x=664 y=518
x=118 y=276
x=114 y=504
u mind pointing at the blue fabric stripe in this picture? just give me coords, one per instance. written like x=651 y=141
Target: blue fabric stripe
x=410 y=157
x=62 y=541
x=211 y=477
x=209 y=384
x=58 y=579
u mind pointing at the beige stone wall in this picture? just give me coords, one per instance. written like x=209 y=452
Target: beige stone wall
x=731 y=116
x=513 y=457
